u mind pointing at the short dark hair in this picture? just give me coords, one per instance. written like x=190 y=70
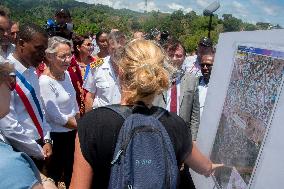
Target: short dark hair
x=28 y=31
x=3 y=12
x=101 y=32
x=172 y=45
x=63 y=11
x=205 y=42
x=78 y=40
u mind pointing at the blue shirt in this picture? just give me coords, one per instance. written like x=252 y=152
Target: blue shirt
x=18 y=171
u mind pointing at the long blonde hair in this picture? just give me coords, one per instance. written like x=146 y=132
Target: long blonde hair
x=142 y=70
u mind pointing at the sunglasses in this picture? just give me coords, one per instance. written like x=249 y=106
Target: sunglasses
x=207 y=65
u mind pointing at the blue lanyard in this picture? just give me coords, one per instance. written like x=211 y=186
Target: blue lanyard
x=87 y=71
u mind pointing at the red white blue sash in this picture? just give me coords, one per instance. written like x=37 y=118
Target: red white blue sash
x=27 y=103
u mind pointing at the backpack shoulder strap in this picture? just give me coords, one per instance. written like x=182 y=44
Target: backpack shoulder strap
x=159 y=112
x=123 y=111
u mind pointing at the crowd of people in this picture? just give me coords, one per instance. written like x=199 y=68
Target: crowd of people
x=55 y=84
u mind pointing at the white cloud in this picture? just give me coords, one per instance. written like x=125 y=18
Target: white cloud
x=103 y=2
x=175 y=6
x=203 y=3
x=152 y=6
x=188 y=9
x=240 y=10
x=266 y=7
x=237 y=5
x=270 y=11
x=140 y=6
x=257 y=2
x=117 y=5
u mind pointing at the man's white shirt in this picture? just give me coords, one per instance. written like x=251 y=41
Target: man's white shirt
x=202 y=87
x=10 y=51
x=103 y=82
x=18 y=126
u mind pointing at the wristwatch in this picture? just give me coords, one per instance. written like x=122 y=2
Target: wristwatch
x=48 y=141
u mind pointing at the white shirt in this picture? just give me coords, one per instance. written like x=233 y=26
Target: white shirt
x=59 y=101
x=102 y=82
x=10 y=51
x=18 y=126
x=2 y=60
x=2 y=137
x=202 y=87
x=168 y=105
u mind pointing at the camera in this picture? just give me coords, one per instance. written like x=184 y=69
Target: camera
x=152 y=35
x=64 y=30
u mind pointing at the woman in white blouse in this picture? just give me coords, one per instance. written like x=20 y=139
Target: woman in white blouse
x=59 y=99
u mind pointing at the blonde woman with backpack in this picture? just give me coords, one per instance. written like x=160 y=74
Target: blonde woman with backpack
x=142 y=77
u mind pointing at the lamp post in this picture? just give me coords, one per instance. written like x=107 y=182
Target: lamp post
x=208 y=11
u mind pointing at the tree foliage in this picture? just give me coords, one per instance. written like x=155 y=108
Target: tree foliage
x=187 y=27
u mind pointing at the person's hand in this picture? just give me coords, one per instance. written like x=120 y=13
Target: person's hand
x=47 y=150
x=213 y=168
x=71 y=123
x=47 y=183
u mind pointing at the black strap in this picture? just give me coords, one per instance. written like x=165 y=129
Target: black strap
x=125 y=111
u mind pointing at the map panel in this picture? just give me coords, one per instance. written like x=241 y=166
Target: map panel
x=255 y=84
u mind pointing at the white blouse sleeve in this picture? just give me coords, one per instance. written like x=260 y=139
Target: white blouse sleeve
x=90 y=83
x=48 y=96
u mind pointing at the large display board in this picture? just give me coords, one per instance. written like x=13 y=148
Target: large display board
x=244 y=96
x=252 y=95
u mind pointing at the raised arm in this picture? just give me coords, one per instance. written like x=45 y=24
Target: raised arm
x=199 y=163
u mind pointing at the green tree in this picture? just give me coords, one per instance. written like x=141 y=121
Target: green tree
x=231 y=23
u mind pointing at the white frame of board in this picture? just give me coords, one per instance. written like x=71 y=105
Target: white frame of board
x=270 y=170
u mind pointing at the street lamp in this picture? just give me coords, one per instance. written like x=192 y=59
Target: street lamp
x=208 y=11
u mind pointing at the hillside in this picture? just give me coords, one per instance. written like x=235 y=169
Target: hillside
x=187 y=27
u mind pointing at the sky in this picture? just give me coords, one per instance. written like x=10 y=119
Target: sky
x=250 y=11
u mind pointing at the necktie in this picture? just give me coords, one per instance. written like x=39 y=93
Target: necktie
x=173 y=105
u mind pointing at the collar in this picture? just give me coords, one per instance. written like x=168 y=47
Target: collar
x=107 y=63
x=2 y=59
x=18 y=65
x=2 y=137
x=202 y=82
x=197 y=64
x=10 y=50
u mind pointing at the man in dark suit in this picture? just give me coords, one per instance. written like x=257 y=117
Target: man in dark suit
x=182 y=98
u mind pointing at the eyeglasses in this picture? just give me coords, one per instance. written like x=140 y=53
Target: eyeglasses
x=64 y=57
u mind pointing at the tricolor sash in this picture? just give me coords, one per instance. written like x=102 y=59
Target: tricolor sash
x=27 y=103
